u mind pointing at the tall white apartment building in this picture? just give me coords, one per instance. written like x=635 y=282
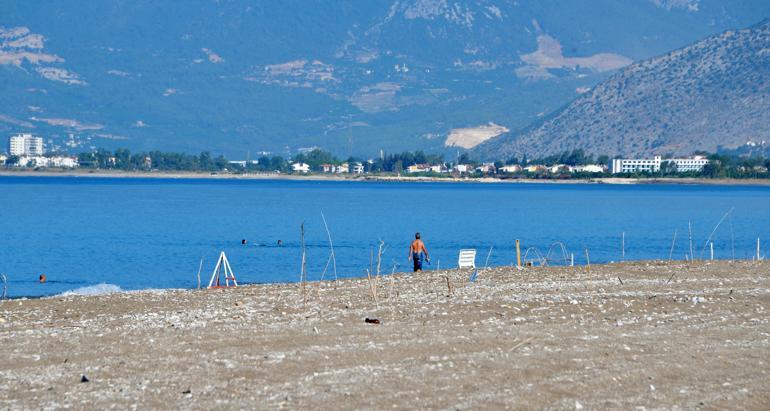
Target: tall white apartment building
x=25 y=145
x=633 y=165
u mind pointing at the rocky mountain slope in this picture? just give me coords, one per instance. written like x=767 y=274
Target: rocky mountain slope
x=714 y=93
x=349 y=76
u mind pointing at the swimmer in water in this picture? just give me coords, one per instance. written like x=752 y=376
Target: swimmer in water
x=42 y=278
x=280 y=243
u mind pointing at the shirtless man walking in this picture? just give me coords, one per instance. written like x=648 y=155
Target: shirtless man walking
x=416 y=251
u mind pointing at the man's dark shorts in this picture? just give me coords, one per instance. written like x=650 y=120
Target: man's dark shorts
x=417 y=260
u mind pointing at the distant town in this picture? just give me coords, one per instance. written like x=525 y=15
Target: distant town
x=26 y=151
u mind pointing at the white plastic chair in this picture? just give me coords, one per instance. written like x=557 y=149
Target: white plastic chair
x=467 y=259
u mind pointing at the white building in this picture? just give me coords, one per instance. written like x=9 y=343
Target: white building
x=16 y=144
x=40 y=161
x=689 y=164
x=243 y=163
x=418 y=168
x=559 y=168
x=487 y=168
x=25 y=145
x=300 y=167
x=628 y=165
x=358 y=168
x=511 y=168
x=535 y=168
x=589 y=168
x=343 y=168
x=63 y=162
x=462 y=168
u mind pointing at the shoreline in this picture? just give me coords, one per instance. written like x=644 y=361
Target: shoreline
x=73 y=292
x=622 y=335
x=311 y=283
x=380 y=178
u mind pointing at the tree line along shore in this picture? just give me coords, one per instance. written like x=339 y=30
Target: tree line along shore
x=574 y=165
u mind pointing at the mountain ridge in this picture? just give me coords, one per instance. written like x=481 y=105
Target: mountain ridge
x=709 y=95
x=234 y=76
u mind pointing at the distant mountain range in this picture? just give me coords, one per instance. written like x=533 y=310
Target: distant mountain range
x=237 y=76
x=713 y=94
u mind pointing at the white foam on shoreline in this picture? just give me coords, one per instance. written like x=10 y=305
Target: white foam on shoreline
x=153 y=290
x=98 y=289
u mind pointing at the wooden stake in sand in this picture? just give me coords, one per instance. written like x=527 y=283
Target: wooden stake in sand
x=303 y=262
x=332 y=256
x=448 y=285
x=673 y=242
x=486 y=262
x=518 y=255
x=200 y=267
x=380 y=250
x=689 y=235
x=372 y=286
x=715 y=230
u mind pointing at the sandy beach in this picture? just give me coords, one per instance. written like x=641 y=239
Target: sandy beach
x=619 y=336
x=363 y=178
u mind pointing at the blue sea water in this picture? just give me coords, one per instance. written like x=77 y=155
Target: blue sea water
x=139 y=233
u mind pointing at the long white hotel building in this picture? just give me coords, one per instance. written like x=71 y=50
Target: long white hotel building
x=629 y=165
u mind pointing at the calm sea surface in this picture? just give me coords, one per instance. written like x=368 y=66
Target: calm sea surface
x=152 y=233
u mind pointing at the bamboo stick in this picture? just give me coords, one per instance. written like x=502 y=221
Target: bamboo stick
x=302 y=273
x=715 y=230
x=200 y=267
x=331 y=246
x=372 y=287
x=486 y=263
x=673 y=242
x=379 y=256
x=689 y=235
x=380 y=251
x=326 y=267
